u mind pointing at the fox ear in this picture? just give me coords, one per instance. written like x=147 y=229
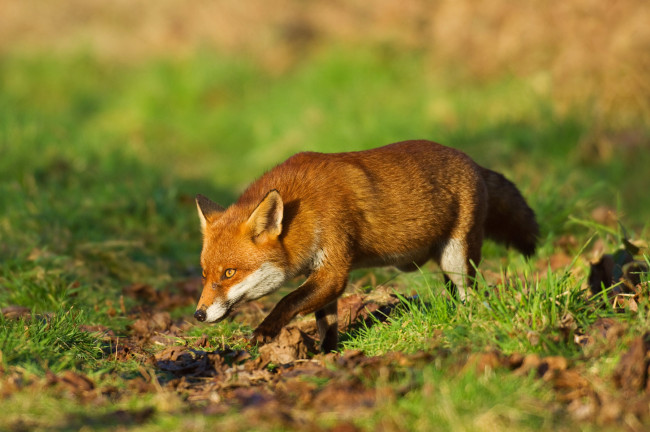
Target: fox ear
x=208 y=210
x=267 y=216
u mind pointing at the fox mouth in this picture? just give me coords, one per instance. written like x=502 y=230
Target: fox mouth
x=214 y=313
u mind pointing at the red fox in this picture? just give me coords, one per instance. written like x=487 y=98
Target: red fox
x=322 y=215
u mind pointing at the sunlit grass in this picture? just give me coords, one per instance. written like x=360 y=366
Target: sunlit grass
x=99 y=166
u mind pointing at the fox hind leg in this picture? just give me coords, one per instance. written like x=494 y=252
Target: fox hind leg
x=328 y=327
x=456 y=260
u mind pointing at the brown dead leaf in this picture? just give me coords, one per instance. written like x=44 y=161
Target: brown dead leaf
x=12 y=382
x=572 y=384
x=171 y=354
x=604 y=332
x=77 y=381
x=349 y=308
x=529 y=363
x=160 y=321
x=139 y=385
x=567 y=327
x=290 y=345
x=183 y=361
x=296 y=392
x=533 y=337
x=203 y=341
x=608 y=328
x=582 y=410
x=351 y=359
x=249 y=397
x=124 y=349
x=141 y=327
x=345 y=397
x=611 y=409
x=631 y=374
x=372 y=307
x=187 y=362
x=16 y=312
x=483 y=362
x=514 y=361
x=152 y=324
x=549 y=367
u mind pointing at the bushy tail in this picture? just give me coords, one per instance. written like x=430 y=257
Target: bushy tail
x=509 y=218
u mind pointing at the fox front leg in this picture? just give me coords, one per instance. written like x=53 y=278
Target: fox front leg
x=318 y=293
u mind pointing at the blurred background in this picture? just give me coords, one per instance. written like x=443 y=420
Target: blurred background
x=581 y=51
x=114 y=114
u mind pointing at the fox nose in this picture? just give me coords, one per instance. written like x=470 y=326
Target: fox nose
x=200 y=315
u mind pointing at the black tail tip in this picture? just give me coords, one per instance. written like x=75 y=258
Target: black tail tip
x=527 y=246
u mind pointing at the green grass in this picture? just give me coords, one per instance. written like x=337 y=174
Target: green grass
x=99 y=164
x=495 y=400
x=52 y=342
x=526 y=316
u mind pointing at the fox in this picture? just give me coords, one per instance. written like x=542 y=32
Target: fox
x=321 y=215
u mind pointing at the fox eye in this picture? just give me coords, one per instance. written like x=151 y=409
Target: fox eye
x=204 y=274
x=229 y=273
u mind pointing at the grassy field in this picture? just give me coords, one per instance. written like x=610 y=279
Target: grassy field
x=99 y=244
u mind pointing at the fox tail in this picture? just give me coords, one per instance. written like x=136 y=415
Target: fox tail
x=509 y=220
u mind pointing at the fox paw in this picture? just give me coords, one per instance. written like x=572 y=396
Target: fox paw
x=262 y=336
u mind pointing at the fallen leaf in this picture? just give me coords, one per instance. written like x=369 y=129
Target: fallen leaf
x=290 y=345
x=345 y=398
x=529 y=363
x=160 y=321
x=76 y=381
x=16 y=312
x=483 y=362
x=348 y=310
x=631 y=374
x=549 y=366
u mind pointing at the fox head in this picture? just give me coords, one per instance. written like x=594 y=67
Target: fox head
x=242 y=257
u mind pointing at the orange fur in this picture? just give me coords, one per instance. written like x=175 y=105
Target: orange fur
x=322 y=215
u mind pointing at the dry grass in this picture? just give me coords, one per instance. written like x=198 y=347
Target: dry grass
x=593 y=53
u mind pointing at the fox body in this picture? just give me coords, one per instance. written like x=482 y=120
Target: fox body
x=322 y=215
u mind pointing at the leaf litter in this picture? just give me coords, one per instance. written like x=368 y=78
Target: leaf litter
x=289 y=383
